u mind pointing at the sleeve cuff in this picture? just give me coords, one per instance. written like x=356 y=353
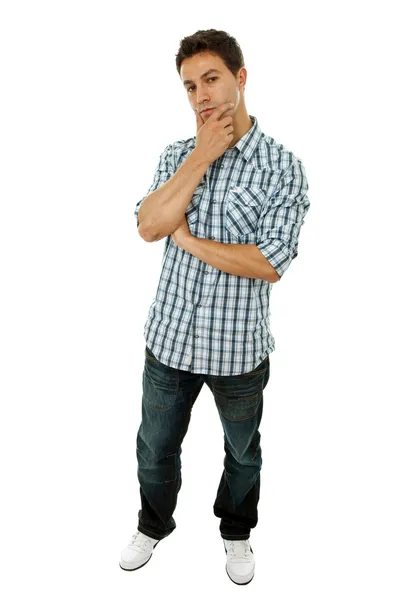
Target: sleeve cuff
x=277 y=254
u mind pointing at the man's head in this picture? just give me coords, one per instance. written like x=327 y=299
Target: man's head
x=206 y=50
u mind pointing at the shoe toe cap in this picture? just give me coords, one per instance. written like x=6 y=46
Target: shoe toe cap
x=241 y=570
x=241 y=576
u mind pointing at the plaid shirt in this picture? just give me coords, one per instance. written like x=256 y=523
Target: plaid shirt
x=204 y=320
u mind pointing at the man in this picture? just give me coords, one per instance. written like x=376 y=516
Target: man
x=230 y=202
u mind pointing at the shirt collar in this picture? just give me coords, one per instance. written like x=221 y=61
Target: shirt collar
x=250 y=140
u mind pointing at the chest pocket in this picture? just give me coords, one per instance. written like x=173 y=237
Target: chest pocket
x=243 y=209
x=192 y=211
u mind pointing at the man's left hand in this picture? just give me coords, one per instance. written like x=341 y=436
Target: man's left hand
x=182 y=232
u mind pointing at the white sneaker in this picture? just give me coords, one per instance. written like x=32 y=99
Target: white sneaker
x=138 y=552
x=240 y=561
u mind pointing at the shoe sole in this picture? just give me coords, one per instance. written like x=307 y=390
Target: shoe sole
x=237 y=582
x=142 y=565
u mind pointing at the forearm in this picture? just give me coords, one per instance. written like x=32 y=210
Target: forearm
x=164 y=208
x=244 y=260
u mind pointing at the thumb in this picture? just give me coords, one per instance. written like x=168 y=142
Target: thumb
x=199 y=121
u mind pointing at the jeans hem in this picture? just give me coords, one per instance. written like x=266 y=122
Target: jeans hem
x=149 y=533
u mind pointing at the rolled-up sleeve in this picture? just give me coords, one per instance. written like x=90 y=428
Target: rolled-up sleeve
x=165 y=169
x=278 y=227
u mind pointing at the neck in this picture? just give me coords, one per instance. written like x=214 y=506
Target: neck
x=241 y=125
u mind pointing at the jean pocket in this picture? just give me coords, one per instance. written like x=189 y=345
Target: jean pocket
x=160 y=384
x=149 y=354
x=241 y=408
x=243 y=209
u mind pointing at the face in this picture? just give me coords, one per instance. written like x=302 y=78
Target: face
x=214 y=88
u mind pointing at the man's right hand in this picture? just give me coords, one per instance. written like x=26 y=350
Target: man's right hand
x=215 y=134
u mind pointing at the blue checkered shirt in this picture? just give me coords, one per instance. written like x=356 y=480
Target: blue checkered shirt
x=204 y=320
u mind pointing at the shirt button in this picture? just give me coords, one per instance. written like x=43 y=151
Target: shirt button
x=212 y=238
x=214 y=202
x=196 y=336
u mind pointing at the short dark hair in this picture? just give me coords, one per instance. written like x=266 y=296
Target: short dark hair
x=214 y=41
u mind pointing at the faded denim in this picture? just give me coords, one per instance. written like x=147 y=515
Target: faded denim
x=167 y=401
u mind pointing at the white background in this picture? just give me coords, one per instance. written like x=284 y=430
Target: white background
x=90 y=96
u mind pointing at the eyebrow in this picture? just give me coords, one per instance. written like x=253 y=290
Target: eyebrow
x=203 y=76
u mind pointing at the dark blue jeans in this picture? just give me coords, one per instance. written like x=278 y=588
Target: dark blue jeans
x=168 y=397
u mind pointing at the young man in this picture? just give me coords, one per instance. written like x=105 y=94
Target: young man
x=230 y=202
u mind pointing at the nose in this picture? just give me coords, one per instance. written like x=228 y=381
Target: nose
x=202 y=95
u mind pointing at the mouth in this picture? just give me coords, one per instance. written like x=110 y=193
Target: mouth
x=207 y=111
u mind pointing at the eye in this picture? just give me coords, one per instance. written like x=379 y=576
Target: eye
x=209 y=79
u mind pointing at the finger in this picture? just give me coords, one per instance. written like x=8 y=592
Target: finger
x=199 y=121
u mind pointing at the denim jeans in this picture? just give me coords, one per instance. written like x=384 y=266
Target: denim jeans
x=167 y=401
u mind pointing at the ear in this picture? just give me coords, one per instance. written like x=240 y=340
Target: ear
x=242 y=76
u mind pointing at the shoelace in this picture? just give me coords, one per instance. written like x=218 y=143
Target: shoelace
x=139 y=542
x=238 y=548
